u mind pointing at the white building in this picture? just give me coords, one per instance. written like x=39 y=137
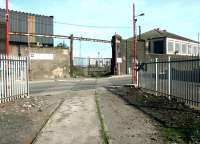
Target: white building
x=162 y=42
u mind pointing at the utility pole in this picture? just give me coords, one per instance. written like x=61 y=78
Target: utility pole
x=71 y=55
x=7 y=31
x=133 y=60
x=134 y=49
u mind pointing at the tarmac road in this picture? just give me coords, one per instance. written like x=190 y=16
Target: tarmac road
x=52 y=87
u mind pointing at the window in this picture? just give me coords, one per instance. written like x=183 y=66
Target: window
x=177 y=47
x=184 y=48
x=199 y=51
x=147 y=44
x=190 y=50
x=158 y=47
x=170 y=46
x=195 y=50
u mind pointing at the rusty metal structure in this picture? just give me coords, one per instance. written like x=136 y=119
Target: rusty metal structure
x=134 y=72
x=7 y=31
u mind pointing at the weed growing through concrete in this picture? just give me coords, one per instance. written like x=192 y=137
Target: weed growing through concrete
x=104 y=132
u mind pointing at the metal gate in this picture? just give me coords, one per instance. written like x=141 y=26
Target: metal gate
x=14 y=82
x=93 y=66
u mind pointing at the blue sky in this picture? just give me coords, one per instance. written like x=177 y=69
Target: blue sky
x=181 y=17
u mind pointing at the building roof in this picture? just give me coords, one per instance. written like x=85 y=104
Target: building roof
x=30 y=14
x=157 y=33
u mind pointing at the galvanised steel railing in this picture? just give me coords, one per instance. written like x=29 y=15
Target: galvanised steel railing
x=175 y=77
x=14 y=79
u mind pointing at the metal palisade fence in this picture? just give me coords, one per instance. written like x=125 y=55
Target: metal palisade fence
x=14 y=77
x=177 y=78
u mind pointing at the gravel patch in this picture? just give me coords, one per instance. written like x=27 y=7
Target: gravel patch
x=21 y=120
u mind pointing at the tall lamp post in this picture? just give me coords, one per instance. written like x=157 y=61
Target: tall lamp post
x=7 y=31
x=134 y=49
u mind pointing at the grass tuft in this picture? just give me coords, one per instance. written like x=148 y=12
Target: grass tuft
x=104 y=133
x=182 y=135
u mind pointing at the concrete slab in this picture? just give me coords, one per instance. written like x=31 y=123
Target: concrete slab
x=75 y=122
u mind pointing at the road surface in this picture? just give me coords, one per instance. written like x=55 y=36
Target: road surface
x=76 y=121
x=75 y=85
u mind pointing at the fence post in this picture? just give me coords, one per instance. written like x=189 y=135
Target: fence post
x=138 y=75
x=156 y=76
x=169 y=76
x=1 y=68
x=27 y=75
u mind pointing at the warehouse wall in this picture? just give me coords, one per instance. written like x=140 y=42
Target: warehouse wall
x=57 y=68
x=126 y=54
x=31 y=28
x=2 y=38
x=27 y=22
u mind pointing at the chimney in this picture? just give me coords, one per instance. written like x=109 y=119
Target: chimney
x=139 y=32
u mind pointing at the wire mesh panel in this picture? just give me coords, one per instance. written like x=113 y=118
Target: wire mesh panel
x=13 y=78
x=173 y=77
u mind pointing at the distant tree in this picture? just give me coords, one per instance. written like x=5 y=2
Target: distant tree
x=62 y=45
